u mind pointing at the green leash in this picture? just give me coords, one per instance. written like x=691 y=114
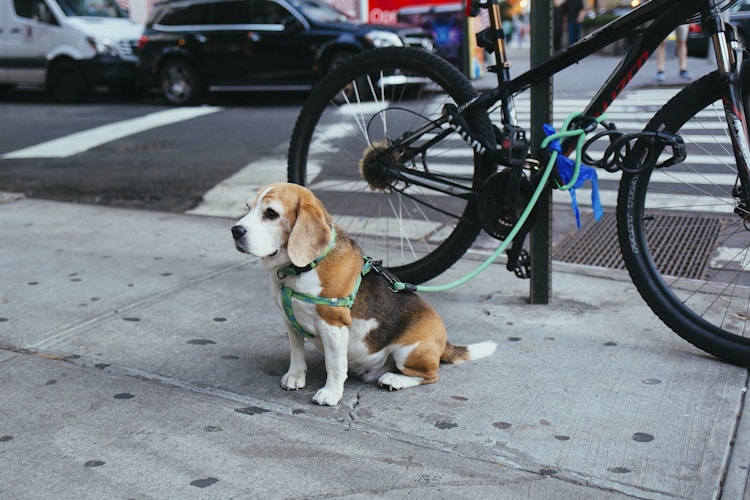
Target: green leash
x=563 y=134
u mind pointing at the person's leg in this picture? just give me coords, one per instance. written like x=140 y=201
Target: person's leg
x=682 y=58
x=682 y=32
x=661 y=55
x=571 y=32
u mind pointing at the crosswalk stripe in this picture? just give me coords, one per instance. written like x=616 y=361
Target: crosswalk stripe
x=79 y=142
x=630 y=113
x=227 y=199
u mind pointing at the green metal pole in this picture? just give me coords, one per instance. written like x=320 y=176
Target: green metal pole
x=541 y=113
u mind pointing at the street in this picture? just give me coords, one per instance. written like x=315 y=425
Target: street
x=167 y=167
x=148 y=155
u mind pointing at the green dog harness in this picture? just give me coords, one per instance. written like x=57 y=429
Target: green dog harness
x=288 y=293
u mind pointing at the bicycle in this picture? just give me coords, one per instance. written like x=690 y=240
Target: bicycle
x=418 y=169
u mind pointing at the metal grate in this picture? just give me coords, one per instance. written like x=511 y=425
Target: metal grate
x=681 y=244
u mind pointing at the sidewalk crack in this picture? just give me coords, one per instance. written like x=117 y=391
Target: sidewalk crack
x=352 y=412
x=732 y=454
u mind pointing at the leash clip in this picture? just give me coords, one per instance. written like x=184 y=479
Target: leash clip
x=377 y=266
x=396 y=285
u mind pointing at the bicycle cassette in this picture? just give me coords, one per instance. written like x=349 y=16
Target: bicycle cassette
x=501 y=205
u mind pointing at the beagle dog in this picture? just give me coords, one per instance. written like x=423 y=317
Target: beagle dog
x=333 y=296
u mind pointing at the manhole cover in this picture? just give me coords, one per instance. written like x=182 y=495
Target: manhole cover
x=681 y=244
x=140 y=147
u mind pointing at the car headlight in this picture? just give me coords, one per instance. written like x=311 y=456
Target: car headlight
x=383 y=39
x=104 y=46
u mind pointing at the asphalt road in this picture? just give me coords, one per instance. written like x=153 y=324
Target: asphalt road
x=170 y=157
x=166 y=167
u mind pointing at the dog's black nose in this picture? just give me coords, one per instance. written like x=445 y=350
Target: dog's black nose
x=238 y=232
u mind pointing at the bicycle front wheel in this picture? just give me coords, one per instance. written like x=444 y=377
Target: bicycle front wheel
x=366 y=105
x=687 y=252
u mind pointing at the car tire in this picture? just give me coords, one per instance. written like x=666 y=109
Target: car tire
x=66 y=82
x=179 y=82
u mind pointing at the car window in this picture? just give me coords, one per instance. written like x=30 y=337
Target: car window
x=34 y=9
x=267 y=12
x=230 y=13
x=320 y=12
x=92 y=8
x=24 y=8
x=187 y=15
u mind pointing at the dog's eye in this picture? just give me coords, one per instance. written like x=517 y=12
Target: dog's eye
x=270 y=214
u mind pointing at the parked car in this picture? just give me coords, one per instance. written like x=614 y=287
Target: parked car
x=190 y=47
x=739 y=16
x=67 y=46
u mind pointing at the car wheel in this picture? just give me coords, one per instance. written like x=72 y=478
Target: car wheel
x=180 y=82
x=66 y=82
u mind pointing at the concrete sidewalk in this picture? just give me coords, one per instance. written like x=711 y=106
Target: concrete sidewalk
x=142 y=356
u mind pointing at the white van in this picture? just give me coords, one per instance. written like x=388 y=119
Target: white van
x=67 y=46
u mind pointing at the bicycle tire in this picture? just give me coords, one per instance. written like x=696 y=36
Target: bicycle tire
x=684 y=247
x=406 y=226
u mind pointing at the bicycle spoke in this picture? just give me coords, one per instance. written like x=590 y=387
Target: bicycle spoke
x=350 y=147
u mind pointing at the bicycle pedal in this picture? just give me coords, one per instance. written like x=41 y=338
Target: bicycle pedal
x=523 y=265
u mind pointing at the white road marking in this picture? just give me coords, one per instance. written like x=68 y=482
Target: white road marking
x=227 y=198
x=79 y=142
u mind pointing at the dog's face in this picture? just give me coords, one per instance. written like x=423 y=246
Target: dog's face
x=285 y=223
x=265 y=229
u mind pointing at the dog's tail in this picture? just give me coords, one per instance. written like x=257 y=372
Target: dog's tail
x=459 y=353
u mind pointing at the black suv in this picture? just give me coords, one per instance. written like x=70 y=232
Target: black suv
x=192 y=46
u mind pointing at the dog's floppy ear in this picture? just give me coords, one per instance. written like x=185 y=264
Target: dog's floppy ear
x=311 y=233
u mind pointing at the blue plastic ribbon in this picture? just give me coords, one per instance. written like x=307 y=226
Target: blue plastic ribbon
x=566 y=168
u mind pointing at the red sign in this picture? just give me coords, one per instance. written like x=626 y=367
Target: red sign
x=386 y=11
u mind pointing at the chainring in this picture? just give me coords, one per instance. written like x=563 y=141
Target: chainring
x=498 y=212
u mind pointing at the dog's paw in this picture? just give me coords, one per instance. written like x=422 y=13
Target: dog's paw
x=293 y=381
x=327 y=397
x=396 y=381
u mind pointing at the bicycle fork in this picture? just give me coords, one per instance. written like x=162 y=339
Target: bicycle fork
x=731 y=73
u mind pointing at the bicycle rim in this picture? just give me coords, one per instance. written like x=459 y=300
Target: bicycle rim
x=364 y=106
x=686 y=250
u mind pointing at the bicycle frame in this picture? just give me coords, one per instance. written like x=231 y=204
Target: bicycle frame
x=666 y=16
x=655 y=19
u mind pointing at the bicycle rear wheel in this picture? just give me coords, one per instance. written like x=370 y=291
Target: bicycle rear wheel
x=687 y=252
x=365 y=105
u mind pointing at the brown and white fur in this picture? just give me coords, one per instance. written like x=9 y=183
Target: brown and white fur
x=395 y=338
